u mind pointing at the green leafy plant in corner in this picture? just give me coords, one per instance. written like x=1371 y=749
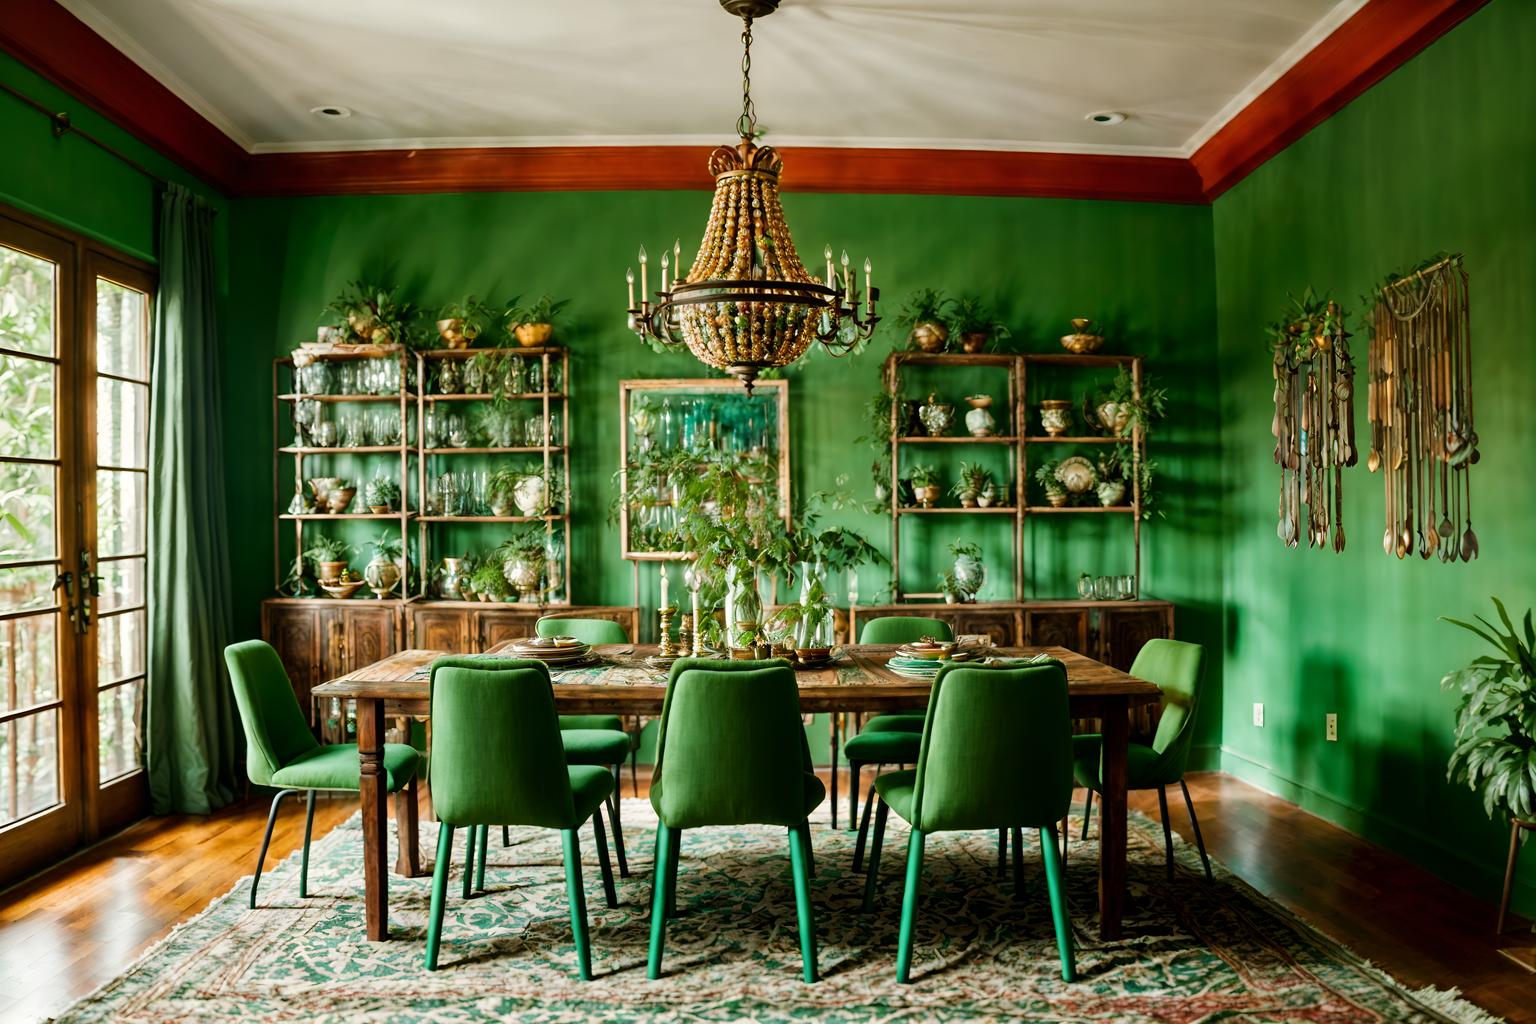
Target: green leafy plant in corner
x=878 y=428
x=328 y=549
x=382 y=491
x=1118 y=465
x=972 y=316
x=1495 y=753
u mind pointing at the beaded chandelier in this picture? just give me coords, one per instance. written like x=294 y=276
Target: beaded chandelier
x=748 y=304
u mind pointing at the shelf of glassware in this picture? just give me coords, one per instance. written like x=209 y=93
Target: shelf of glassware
x=376 y=375
x=548 y=390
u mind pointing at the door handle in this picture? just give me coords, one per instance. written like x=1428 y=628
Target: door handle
x=90 y=588
x=66 y=581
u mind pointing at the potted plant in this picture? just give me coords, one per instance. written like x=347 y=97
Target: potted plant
x=487 y=581
x=521 y=557
x=1045 y=476
x=533 y=325
x=382 y=495
x=460 y=323
x=1114 y=475
x=925 y=485
x=1119 y=410
x=925 y=317
x=973 y=480
x=329 y=557
x=969 y=573
x=376 y=315
x=950 y=588
x=384 y=570
x=976 y=325
x=499 y=490
x=1495 y=753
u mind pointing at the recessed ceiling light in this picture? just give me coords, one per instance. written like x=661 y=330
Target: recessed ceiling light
x=1106 y=117
x=330 y=111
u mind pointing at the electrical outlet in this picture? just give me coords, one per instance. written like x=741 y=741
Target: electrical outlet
x=1333 y=728
x=1258 y=716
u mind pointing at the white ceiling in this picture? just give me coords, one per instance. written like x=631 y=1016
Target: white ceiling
x=953 y=74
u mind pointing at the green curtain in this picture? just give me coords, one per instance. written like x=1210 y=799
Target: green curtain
x=192 y=738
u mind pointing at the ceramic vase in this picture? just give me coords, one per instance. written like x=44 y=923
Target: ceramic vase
x=1056 y=416
x=382 y=575
x=1111 y=492
x=936 y=416
x=979 y=421
x=531 y=495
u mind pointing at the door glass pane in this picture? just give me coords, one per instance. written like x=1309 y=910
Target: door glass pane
x=122 y=423
x=29 y=765
x=119 y=512
x=120 y=646
x=26 y=407
x=120 y=330
x=25 y=589
x=119 y=714
x=122 y=584
x=26 y=302
x=26 y=511
x=28 y=671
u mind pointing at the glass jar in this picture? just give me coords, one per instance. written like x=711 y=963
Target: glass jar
x=743 y=603
x=816 y=623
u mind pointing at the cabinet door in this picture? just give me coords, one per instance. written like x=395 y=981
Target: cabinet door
x=1124 y=632
x=293 y=632
x=1064 y=627
x=372 y=634
x=997 y=624
x=499 y=626
x=441 y=629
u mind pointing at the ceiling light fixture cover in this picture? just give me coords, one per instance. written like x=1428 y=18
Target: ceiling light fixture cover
x=330 y=111
x=1106 y=117
x=748 y=303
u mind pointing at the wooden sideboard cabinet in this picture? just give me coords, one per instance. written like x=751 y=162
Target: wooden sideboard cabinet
x=320 y=639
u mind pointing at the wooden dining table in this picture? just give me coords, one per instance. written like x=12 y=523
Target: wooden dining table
x=622 y=682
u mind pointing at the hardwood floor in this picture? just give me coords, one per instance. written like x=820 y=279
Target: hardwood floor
x=65 y=932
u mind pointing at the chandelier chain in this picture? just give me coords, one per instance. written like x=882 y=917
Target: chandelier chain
x=746 y=125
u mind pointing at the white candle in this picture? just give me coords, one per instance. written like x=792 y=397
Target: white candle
x=869 y=288
x=677 y=261
x=847 y=278
x=666 y=261
x=629 y=277
x=698 y=626
x=664 y=574
x=644 y=291
x=831 y=277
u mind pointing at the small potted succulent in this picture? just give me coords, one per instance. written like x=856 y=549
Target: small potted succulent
x=382 y=495
x=383 y=571
x=460 y=323
x=973 y=480
x=976 y=325
x=329 y=556
x=925 y=485
x=926 y=316
x=1045 y=476
x=533 y=325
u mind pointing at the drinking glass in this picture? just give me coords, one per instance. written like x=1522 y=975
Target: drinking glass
x=554 y=379
x=325 y=434
x=458 y=434
x=517 y=376
x=1125 y=588
x=1104 y=588
x=1085 y=587
x=533 y=431
x=554 y=429
x=535 y=376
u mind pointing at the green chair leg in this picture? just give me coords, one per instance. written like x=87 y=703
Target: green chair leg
x=618 y=825
x=1194 y=823
x=858 y=846
x=1057 y=883
x=471 y=834
x=1162 y=806
x=266 y=839
x=506 y=836
x=799 y=860
x=853 y=799
x=1018 y=863
x=439 y=892
x=309 y=827
x=1002 y=853
x=873 y=869
x=609 y=895
x=661 y=873
x=1087 y=811
x=672 y=865
x=570 y=838
x=480 y=847
x=909 y=907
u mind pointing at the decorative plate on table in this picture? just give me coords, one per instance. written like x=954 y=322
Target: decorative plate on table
x=914 y=668
x=553 y=650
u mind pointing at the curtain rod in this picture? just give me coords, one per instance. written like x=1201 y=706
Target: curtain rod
x=62 y=126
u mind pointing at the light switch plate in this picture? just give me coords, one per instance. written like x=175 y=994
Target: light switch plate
x=1333 y=728
x=1258 y=716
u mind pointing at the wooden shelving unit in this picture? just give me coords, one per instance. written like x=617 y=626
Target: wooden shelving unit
x=1015 y=418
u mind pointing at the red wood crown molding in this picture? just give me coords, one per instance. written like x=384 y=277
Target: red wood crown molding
x=1376 y=40
x=810 y=169
x=1371 y=44
x=66 y=51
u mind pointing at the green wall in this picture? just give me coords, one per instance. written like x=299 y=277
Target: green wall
x=1433 y=158
x=1146 y=269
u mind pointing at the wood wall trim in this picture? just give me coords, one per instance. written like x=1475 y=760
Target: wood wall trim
x=810 y=169
x=1377 y=40
x=68 y=52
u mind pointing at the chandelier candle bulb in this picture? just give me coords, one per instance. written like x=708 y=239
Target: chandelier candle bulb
x=869 y=287
x=831 y=279
x=677 y=260
x=644 y=291
x=629 y=277
x=666 y=261
x=664 y=603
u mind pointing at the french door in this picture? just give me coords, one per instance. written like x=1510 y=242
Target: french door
x=74 y=425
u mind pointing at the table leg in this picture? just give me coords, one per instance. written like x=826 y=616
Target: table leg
x=1112 y=821
x=371 y=784
x=408 y=863
x=832 y=717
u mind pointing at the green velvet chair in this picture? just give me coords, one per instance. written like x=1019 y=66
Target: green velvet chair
x=497 y=760
x=1178 y=669
x=281 y=752
x=731 y=750
x=885 y=739
x=996 y=754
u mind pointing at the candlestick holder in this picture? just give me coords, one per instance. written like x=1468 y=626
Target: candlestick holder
x=685 y=634
x=668 y=650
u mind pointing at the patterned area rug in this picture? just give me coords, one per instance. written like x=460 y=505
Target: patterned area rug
x=1195 y=951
